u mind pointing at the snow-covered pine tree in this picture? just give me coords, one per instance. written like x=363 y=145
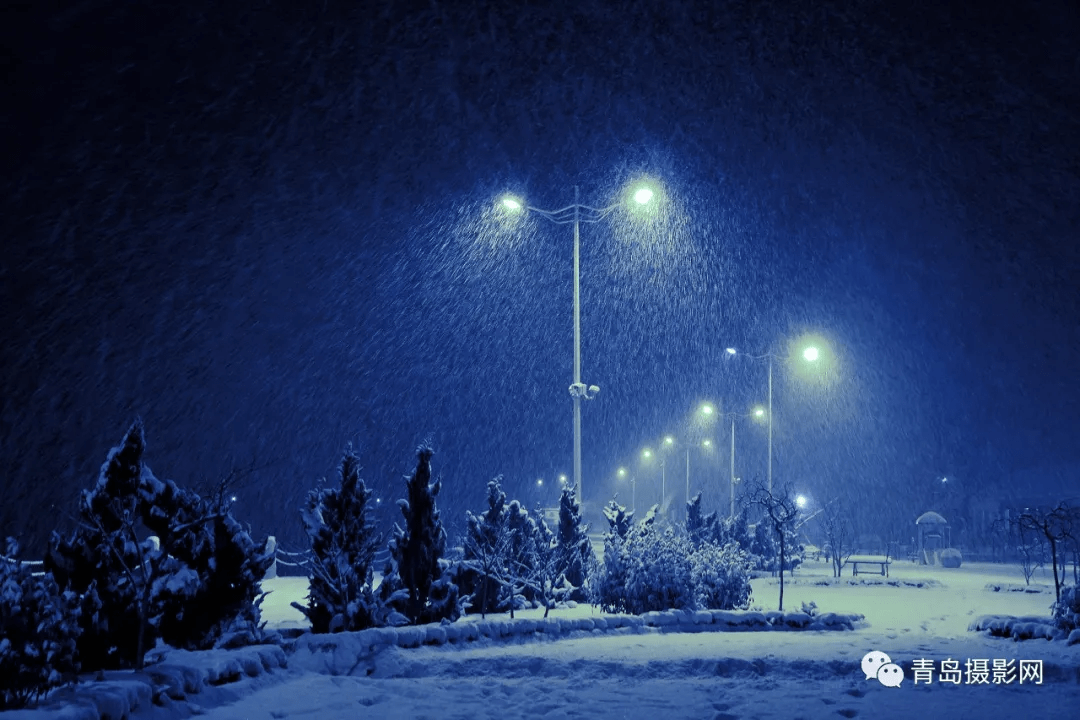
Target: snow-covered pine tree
x=416 y=583
x=521 y=530
x=106 y=557
x=38 y=631
x=543 y=575
x=343 y=546
x=574 y=546
x=736 y=530
x=487 y=551
x=698 y=527
x=218 y=553
x=610 y=587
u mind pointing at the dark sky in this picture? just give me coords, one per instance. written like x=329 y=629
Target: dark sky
x=271 y=232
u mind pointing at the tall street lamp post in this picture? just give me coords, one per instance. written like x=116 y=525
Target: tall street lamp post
x=577 y=214
x=809 y=354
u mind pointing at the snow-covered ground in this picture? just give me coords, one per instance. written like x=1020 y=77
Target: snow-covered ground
x=654 y=674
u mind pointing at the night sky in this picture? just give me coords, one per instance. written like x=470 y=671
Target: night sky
x=273 y=232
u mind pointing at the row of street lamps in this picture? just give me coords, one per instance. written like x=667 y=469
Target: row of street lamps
x=576 y=214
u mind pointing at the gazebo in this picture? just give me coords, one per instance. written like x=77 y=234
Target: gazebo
x=931 y=537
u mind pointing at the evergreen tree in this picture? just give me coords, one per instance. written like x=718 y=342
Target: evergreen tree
x=521 y=530
x=701 y=528
x=620 y=520
x=487 y=553
x=228 y=567
x=610 y=590
x=736 y=530
x=416 y=583
x=542 y=576
x=189 y=585
x=575 y=550
x=106 y=558
x=343 y=546
x=38 y=631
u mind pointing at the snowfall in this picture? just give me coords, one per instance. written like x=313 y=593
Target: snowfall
x=583 y=663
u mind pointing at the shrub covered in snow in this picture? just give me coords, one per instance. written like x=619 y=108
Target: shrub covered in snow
x=1067 y=608
x=483 y=575
x=220 y=557
x=38 y=629
x=609 y=588
x=189 y=586
x=105 y=556
x=720 y=577
x=658 y=570
x=416 y=584
x=951 y=558
x=343 y=546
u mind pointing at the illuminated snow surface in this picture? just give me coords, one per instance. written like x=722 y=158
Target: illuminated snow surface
x=695 y=675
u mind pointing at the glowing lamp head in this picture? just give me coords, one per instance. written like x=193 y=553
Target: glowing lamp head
x=811 y=354
x=642 y=196
x=511 y=203
x=731 y=351
x=800 y=501
x=669 y=440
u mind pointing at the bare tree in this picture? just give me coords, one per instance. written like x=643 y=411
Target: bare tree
x=839 y=534
x=781 y=513
x=1025 y=541
x=1055 y=528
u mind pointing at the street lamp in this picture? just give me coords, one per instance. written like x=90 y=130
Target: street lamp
x=577 y=214
x=811 y=354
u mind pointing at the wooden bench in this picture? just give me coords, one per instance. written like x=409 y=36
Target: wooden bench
x=881 y=562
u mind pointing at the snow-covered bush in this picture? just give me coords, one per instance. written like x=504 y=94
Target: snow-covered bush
x=156 y=561
x=951 y=558
x=609 y=588
x=483 y=574
x=343 y=546
x=658 y=570
x=416 y=584
x=1067 y=608
x=220 y=557
x=38 y=630
x=105 y=556
x=720 y=578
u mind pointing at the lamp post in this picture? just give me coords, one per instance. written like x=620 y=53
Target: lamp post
x=669 y=441
x=577 y=214
x=809 y=354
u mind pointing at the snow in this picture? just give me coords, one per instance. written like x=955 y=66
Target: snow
x=582 y=663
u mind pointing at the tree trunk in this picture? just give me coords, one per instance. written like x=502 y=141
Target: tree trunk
x=483 y=599
x=1054 y=559
x=781 y=571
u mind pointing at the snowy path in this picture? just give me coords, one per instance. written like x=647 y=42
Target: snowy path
x=573 y=690
x=722 y=676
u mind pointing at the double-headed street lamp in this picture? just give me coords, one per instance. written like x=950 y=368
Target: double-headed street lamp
x=810 y=354
x=577 y=214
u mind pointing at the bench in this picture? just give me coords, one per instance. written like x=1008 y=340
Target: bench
x=881 y=562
